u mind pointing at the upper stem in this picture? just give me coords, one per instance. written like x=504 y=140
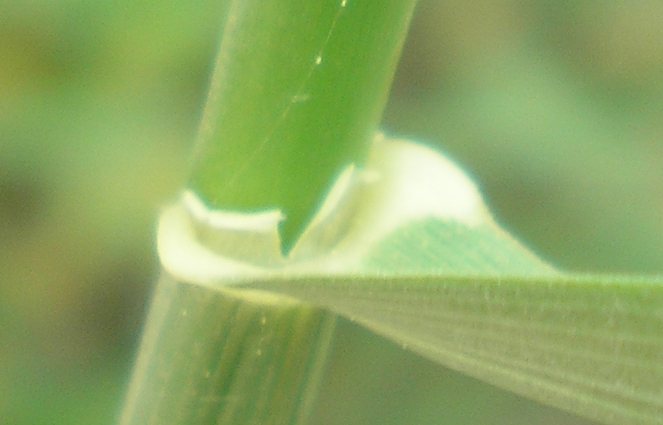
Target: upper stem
x=298 y=91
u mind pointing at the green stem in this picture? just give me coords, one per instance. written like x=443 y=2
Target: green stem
x=297 y=94
x=210 y=357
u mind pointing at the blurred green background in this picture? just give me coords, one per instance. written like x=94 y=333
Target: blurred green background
x=554 y=106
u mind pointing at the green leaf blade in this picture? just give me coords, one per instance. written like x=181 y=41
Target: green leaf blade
x=585 y=344
x=449 y=247
x=417 y=258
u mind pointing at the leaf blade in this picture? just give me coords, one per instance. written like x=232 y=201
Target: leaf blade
x=585 y=344
x=411 y=252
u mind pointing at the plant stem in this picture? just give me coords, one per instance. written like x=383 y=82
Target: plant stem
x=297 y=94
x=211 y=357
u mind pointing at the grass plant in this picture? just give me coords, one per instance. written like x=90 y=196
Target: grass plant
x=297 y=210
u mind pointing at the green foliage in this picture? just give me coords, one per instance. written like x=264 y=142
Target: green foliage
x=554 y=107
x=455 y=288
x=586 y=344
